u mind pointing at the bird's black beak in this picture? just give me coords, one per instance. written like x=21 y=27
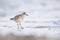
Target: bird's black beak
x=26 y=14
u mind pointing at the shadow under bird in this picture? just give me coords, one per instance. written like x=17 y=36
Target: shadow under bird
x=18 y=19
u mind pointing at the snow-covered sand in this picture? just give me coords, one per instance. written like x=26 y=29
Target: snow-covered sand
x=30 y=31
x=30 y=28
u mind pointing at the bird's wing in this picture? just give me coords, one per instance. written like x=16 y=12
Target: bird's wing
x=17 y=16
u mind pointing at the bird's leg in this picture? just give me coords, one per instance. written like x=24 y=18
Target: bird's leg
x=49 y=28
x=17 y=25
x=21 y=26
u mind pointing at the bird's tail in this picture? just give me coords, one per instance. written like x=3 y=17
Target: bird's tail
x=11 y=18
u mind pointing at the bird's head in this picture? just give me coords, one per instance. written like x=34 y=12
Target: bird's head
x=24 y=13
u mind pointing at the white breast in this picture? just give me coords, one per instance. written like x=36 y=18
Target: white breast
x=20 y=18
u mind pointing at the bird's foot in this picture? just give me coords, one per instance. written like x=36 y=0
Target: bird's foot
x=22 y=28
x=18 y=29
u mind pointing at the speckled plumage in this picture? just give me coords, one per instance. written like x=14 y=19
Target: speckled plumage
x=19 y=18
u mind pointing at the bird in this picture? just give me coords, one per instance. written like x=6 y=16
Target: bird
x=18 y=19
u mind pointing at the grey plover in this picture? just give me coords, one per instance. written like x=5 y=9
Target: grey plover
x=18 y=19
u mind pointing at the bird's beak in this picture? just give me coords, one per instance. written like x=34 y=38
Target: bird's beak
x=26 y=14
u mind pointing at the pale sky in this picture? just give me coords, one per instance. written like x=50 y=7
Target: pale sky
x=37 y=9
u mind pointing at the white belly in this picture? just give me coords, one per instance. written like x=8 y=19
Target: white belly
x=20 y=19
